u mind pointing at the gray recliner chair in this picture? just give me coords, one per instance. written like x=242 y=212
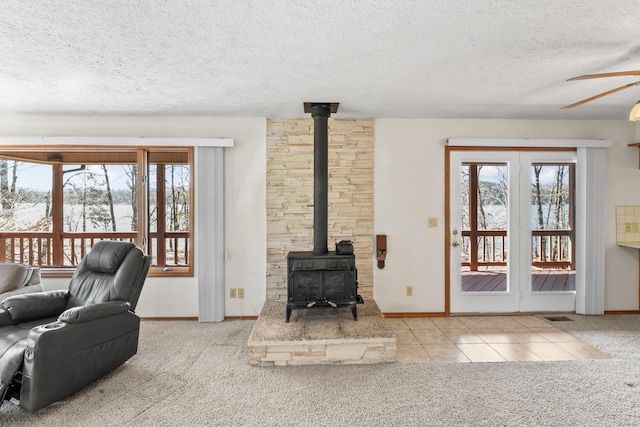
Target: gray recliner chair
x=54 y=343
x=17 y=279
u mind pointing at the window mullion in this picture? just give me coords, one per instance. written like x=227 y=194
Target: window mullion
x=143 y=239
x=57 y=215
x=161 y=203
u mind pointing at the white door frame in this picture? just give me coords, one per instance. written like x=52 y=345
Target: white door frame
x=589 y=201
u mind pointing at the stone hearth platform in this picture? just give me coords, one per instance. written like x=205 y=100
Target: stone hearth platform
x=319 y=336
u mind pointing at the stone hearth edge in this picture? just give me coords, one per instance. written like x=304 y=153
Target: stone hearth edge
x=319 y=336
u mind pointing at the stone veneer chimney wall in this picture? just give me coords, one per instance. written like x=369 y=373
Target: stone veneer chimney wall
x=290 y=195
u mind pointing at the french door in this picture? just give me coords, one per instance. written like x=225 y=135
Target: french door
x=511 y=218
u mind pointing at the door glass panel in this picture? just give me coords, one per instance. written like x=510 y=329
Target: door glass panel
x=484 y=227
x=552 y=225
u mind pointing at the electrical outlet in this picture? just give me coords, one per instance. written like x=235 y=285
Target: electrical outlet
x=240 y=292
x=627 y=227
x=432 y=221
x=636 y=229
x=409 y=291
x=232 y=293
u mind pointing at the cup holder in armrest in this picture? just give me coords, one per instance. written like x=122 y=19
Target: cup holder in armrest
x=56 y=325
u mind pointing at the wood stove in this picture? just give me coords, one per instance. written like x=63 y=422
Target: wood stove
x=327 y=280
x=320 y=278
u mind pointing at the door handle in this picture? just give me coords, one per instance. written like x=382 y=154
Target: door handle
x=454 y=239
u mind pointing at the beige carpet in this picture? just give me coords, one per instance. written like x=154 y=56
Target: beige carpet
x=191 y=374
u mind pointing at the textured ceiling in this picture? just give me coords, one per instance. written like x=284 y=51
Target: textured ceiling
x=251 y=58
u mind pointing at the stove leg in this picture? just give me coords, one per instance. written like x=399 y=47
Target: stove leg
x=354 y=310
x=288 y=314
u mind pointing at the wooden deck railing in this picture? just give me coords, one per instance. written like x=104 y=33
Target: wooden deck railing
x=553 y=249
x=37 y=248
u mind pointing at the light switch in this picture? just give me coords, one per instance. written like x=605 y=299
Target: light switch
x=432 y=221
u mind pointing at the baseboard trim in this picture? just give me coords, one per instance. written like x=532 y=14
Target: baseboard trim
x=241 y=318
x=622 y=312
x=414 y=314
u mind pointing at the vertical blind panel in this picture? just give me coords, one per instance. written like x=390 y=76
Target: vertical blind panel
x=210 y=232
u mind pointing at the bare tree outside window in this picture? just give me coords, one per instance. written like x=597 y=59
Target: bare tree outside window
x=550 y=202
x=25 y=201
x=178 y=197
x=25 y=194
x=98 y=198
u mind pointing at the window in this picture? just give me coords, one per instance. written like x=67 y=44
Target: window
x=55 y=203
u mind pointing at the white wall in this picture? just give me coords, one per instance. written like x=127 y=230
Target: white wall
x=409 y=187
x=245 y=186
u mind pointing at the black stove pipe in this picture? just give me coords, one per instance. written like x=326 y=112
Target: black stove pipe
x=320 y=114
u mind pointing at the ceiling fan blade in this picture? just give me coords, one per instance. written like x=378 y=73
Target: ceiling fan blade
x=615 y=74
x=600 y=95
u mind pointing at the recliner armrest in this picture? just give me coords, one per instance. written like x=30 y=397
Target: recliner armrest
x=5 y=318
x=22 y=308
x=87 y=313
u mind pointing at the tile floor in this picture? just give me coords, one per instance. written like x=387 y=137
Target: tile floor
x=485 y=339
